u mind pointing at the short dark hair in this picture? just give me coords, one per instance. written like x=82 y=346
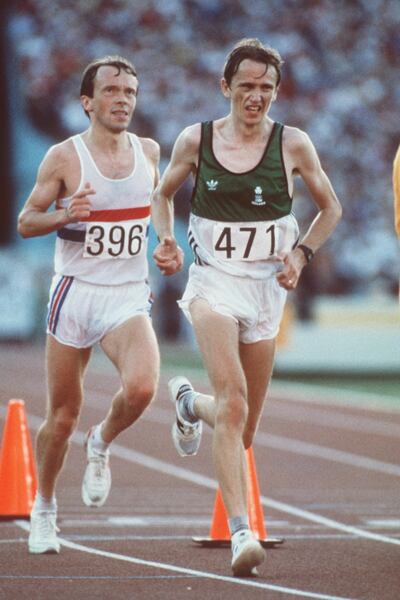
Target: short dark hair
x=253 y=49
x=89 y=74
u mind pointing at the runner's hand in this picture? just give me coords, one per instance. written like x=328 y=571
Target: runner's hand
x=80 y=205
x=168 y=256
x=293 y=263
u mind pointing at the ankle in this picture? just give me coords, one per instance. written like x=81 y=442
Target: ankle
x=96 y=440
x=239 y=523
x=187 y=406
x=42 y=504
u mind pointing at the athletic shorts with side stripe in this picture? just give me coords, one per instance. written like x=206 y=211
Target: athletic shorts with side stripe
x=255 y=305
x=80 y=314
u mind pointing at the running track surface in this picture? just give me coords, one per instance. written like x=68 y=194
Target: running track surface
x=330 y=486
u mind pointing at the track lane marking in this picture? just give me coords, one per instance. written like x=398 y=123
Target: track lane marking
x=164 y=417
x=192 y=572
x=312 y=415
x=166 y=468
x=330 y=396
x=279 y=442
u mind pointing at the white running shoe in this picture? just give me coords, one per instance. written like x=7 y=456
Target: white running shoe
x=247 y=553
x=96 y=482
x=186 y=436
x=43 y=533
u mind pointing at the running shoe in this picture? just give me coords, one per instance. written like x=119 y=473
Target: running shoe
x=97 y=479
x=185 y=435
x=247 y=553
x=43 y=533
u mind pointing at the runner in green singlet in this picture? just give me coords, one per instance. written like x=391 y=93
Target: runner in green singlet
x=247 y=255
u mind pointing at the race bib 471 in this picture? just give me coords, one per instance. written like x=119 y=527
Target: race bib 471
x=255 y=241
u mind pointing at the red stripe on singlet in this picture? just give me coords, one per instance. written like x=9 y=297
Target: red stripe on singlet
x=119 y=214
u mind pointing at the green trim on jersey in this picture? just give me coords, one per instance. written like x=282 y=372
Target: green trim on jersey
x=260 y=194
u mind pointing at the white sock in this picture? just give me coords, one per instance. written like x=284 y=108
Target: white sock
x=97 y=442
x=43 y=505
x=187 y=400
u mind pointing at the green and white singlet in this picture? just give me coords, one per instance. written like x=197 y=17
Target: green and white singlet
x=241 y=222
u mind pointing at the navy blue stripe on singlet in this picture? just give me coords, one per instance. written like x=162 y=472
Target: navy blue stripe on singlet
x=78 y=235
x=72 y=235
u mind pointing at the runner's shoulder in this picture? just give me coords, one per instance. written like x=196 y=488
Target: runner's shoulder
x=59 y=158
x=151 y=148
x=189 y=139
x=295 y=138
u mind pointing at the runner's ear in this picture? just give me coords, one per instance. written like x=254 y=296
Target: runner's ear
x=226 y=90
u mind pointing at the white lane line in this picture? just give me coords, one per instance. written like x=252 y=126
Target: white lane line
x=179 y=472
x=169 y=469
x=306 y=414
x=288 y=390
x=383 y=523
x=322 y=452
x=330 y=523
x=328 y=396
x=192 y=572
x=338 y=420
x=162 y=416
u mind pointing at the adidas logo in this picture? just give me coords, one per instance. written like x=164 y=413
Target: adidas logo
x=212 y=185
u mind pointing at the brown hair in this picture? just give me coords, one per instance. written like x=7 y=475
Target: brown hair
x=253 y=49
x=89 y=74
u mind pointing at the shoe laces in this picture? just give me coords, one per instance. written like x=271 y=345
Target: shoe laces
x=98 y=463
x=45 y=523
x=188 y=429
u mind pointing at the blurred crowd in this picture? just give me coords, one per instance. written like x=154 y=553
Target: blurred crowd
x=340 y=84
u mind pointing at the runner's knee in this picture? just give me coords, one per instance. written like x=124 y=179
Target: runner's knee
x=232 y=411
x=139 y=392
x=62 y=423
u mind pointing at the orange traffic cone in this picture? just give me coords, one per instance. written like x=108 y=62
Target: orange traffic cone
x=219 y=531
x=18 y=480
x=219 y=523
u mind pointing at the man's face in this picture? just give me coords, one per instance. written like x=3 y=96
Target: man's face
x=252 y=90
x=114 y=99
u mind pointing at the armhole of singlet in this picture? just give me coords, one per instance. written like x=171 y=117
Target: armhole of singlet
x=76 y=142
x=204 y=124
x=138 y=151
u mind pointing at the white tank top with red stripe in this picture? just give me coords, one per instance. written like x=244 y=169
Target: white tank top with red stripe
x=109 y=247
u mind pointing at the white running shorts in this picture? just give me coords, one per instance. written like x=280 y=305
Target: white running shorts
x=255 y=305
x=80 y=314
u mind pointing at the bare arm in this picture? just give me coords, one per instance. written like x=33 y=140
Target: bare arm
x=34 y=219
x=305 y=162
x=167 y=255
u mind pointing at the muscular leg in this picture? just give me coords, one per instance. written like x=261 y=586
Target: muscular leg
x=133 y=349
x=257 y=361
x=217 y=336
x=65 y=371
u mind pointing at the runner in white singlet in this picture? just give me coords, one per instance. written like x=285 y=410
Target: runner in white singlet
x=101 y=184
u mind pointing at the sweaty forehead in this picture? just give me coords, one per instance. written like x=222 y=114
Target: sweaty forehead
x=251 y=69
x=110 y=74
